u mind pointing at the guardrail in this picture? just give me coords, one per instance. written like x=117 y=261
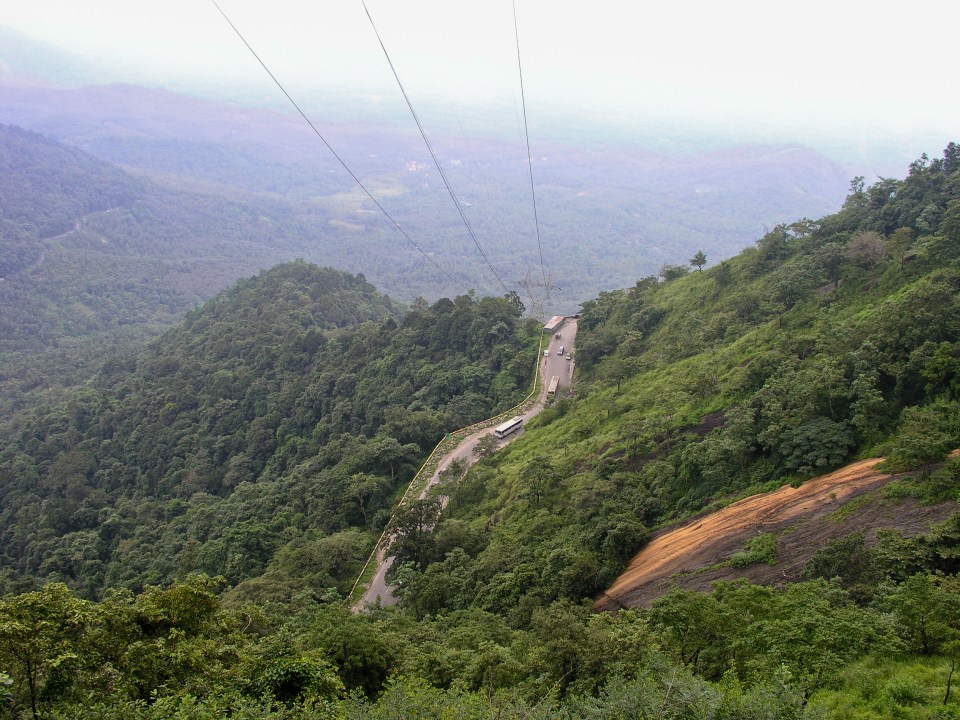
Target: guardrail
x=447 y=443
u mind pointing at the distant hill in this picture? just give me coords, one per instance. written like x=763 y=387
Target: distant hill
x=94 y=261
x=609 y=211
x=25 y=60
x=45 y=188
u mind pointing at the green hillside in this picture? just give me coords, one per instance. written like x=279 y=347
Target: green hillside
x=829 y=340
x=271 y=426
x=261 y=443
x=95 y=261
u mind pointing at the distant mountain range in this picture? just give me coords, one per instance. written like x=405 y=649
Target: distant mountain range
x=618 y=211
x=214 y=191
x=610 y=209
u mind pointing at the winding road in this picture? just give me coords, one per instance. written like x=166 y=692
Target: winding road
x=553 y=363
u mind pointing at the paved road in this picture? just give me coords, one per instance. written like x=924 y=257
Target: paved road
x=552 y=364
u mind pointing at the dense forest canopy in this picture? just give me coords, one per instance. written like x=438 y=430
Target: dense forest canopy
x=271 y=464
x=95 y=260
x=274 y=422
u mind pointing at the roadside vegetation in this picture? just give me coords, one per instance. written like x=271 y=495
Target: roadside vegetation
x=828 y=341
x=265 y=448
x=263 y=439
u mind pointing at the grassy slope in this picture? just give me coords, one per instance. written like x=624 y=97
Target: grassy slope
x=706 y=402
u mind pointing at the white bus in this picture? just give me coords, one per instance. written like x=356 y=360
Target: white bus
x=511 y=425
x=554 y=384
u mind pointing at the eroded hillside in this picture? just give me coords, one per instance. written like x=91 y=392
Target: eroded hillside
x=802 y=519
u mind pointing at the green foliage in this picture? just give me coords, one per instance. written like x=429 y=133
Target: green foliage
x=927 y=609
x=925 y=436
x=740 y=651
x=264 y=439
x=845 y=558
x=286 y=410
x=759 y=549
x=883 y=687
x=782 y=363
x=699 y=260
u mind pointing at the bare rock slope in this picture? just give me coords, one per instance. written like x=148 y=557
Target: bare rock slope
x=803 y=519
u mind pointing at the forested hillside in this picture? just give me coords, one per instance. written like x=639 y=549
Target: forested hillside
x=829 y=340
x=94 y=260
x=270 y=427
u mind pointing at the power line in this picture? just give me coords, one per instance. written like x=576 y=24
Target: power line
x=433 y=154
x=334 y=152
x=526 y=133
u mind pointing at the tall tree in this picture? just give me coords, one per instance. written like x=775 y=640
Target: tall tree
x=699 y=260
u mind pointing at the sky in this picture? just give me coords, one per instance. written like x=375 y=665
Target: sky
x=842 y=71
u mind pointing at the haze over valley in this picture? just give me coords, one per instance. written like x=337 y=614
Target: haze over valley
x=258 y=370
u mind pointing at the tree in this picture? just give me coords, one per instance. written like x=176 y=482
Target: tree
x=899 y=243
x=923 y=439
x=540 y=477
x=42 y=642
x=723 y=274
x=413 y=532
x=670 y=272
x=950 y=230
x=845 y=557
x=830 y=259
x=926 y=608
x=793 y=283
x=367 y=492
x=699 y=260
x=698 y=628
x=515 y=303
x=619 y=369
x=486 y=446
x=866 y=248
x=815 y=446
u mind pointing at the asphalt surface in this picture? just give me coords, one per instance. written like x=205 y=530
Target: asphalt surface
x=552 y=364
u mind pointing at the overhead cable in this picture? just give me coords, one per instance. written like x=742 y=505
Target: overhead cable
x=433 y=154
x=334 y=152
x=526 y=133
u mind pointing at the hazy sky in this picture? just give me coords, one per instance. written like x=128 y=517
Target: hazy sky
x=833 y=67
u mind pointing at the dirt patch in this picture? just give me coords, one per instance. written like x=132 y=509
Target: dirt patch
x=709 y=423
x=803 y=519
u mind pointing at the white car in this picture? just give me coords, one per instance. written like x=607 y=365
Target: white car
x=546 y=353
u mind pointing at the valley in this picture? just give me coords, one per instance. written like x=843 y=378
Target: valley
x=379 y=592
x=233 y=392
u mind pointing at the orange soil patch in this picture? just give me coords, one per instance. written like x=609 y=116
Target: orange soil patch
x=673 y=555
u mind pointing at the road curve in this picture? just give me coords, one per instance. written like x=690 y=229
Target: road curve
x=554 y=363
